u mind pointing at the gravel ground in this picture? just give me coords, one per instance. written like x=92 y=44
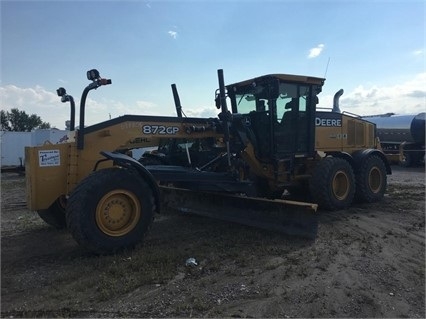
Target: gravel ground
x=367 y=261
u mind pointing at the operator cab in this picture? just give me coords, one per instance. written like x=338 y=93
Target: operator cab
x=279 y=111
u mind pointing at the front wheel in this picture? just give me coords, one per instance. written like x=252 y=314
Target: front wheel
x=332 y=184
x=371 y=180
x=110 y=210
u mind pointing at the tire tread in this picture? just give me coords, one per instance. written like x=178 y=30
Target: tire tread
x=78 y=222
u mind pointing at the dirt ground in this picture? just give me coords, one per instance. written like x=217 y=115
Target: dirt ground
x=367 y=261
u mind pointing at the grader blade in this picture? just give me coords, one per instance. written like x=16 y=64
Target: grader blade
x=288 y=217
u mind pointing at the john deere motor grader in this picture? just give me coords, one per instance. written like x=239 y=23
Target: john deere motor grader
x=272 y=140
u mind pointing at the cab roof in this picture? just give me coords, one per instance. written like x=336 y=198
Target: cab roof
x=283 y=77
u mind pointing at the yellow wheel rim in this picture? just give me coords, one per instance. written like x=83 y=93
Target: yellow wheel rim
x=340 y=185
x=375 y=180
x=118 y=212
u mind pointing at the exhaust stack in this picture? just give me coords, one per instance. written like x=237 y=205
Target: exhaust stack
x=336 y=98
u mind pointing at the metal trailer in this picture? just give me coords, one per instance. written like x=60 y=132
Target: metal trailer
x=402 y=137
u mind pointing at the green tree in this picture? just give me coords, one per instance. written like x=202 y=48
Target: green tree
x=3 y=121
x=19 y=121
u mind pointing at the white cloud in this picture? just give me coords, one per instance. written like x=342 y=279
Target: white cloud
x=29 y=96
x=100 y=111
x=48 y=106
x=173 y=34
x=37 y=101
x=418 y=52
x=145 y=105
x=315 y=52
x=205 y=112
x=404 y=98
x=408 y=97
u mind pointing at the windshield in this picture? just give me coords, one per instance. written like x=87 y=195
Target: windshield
x=245 y=103
x=250 y=98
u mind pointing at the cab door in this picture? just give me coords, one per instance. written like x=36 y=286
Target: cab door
x=293 y=123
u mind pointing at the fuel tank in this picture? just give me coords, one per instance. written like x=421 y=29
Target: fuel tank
x=400 y=128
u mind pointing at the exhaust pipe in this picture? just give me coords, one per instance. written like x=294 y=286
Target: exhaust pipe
x=336 y=98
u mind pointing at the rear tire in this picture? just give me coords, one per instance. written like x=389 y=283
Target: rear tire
x=332 y=184
x=55 y=214
x=110 y=210
x=371 y=180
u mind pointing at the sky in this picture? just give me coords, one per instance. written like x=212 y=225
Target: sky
x=374 y=50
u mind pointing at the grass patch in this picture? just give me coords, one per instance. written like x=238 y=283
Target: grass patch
x=118 y=274
x=218 y=247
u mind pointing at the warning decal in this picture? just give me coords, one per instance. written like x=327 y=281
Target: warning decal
x=49 y=158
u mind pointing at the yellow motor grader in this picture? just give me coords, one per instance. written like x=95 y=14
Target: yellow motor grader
x=272 y=141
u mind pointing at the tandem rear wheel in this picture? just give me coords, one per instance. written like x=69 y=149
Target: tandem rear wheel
x=371 y=180
x=332 y=184
x=110 y=210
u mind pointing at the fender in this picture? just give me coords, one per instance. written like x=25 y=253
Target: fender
x=345 y=156
x=127 y=161
x=361 y=155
